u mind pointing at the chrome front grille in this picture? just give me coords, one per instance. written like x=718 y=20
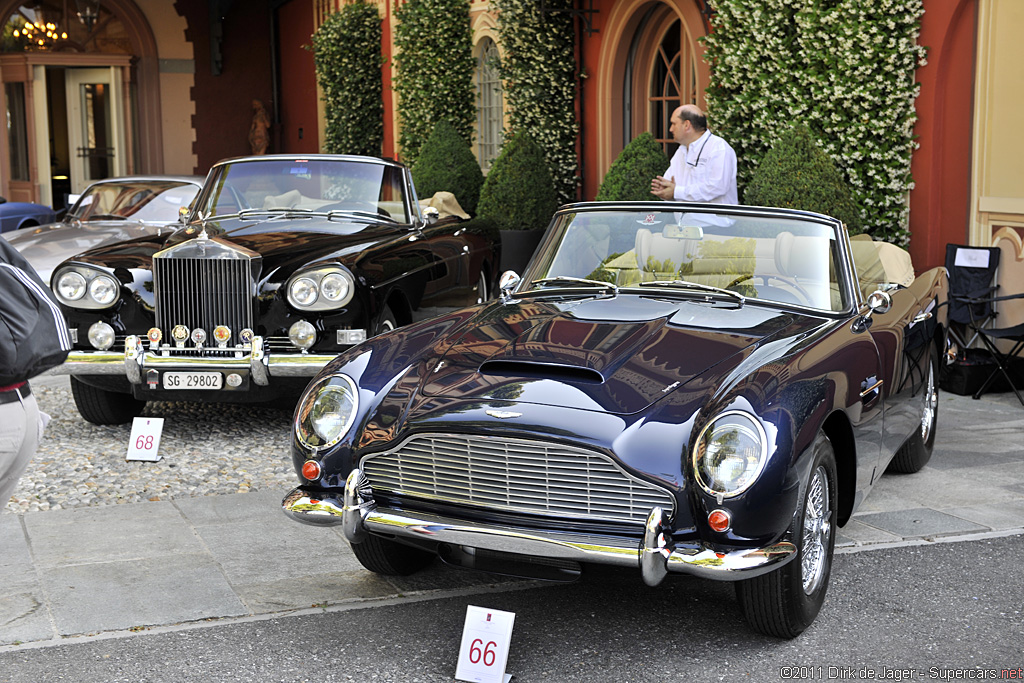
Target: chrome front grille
x=204 y=293
x=515 y=475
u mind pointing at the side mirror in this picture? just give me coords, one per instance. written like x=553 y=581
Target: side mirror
x=509 y=280
x=431 y=214
x=878 y=302
x=183 y=215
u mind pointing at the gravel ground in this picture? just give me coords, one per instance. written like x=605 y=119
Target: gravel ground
x=207 y=449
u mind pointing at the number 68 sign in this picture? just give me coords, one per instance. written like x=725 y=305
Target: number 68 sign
x=485 y=640
x=145 y=439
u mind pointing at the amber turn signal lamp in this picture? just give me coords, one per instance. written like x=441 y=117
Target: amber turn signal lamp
x=719 y=520
x=311 y=470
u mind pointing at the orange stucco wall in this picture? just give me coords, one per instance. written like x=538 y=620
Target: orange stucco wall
x=941 y=167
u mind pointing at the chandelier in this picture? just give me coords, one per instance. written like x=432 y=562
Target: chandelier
x=39 y=34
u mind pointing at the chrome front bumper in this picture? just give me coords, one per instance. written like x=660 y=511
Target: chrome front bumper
x=655 y=556
x=135 y=361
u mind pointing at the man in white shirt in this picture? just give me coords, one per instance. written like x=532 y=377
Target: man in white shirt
x=703 y=169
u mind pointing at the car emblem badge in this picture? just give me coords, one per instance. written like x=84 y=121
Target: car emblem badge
x=502 y=414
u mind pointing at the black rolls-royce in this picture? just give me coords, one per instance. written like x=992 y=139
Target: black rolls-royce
x=690 y=388
x=282 y=263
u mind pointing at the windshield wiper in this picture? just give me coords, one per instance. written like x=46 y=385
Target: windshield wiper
x=280 y=211
x=569 y=280
x=740 y=299
x=105 y=217
x=356 y=213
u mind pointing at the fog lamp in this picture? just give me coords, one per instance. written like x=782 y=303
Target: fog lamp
x=302 y=334
x=101 y=336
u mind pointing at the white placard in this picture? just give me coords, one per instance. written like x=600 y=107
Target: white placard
x=971 y=258
x=145 y=439
x=485 y=641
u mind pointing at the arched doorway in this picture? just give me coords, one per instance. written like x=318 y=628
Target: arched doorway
x=79 y=88
x=650 y=63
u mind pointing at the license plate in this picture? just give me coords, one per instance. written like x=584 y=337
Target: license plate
x=192 y=380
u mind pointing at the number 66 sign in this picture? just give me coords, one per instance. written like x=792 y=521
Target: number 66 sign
x=145 y=439
x=485 y=640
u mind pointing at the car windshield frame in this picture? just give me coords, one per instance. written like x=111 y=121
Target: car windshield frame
x=708 y=245
x=334 y=186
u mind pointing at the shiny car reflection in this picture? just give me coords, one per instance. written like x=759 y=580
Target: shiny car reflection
x=111 y=210
x=283 y=262
x=702 y=389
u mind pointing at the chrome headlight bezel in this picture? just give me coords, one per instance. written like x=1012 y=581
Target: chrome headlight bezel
x=333 y=287
x=98 y=289
x=316 y=433
x=747 y=428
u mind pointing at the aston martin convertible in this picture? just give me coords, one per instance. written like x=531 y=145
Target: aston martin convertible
x=670 y=388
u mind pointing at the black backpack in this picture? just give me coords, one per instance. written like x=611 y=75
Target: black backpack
x=33 y=333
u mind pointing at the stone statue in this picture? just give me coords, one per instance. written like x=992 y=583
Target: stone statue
x=259 y=132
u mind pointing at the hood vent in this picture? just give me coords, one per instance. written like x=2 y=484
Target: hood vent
x=534 y=370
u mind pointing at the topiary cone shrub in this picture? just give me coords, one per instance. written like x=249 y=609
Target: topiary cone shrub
x=446 y=163
x=518 y=193
x=797 y=174
x=630 y=175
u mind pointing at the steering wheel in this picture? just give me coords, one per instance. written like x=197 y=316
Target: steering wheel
x=767 y=279
x=368 y=207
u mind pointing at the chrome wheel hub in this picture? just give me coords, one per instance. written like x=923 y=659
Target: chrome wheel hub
x=816 y=532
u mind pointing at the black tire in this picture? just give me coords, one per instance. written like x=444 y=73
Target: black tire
x=390 y=558
x=917 y=450
x=385 y=321
x=784 y=602
x=102 y=407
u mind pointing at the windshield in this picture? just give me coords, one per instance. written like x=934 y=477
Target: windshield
x=781 y=259
x=320 y=185
x=151 y=201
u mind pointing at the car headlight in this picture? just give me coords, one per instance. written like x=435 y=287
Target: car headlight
x=83 y=287
x=326 y=412
x=321 y=289
x=730 y=454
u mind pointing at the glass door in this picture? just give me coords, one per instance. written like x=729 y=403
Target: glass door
x=95 y=125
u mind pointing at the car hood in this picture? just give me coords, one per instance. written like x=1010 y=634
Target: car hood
x=283 y=245
x=46 y=246
x=295 y=241
x=616 y=354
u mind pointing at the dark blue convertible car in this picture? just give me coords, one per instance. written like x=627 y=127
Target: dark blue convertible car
x=690 y=388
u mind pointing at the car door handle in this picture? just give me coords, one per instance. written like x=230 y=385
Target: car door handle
x=871 y=390
x=921 y=317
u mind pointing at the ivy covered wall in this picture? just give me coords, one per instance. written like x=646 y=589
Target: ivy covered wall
x=539 y=72
x=433 y=71
x=845 y=68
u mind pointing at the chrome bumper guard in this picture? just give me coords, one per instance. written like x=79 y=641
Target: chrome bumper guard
x=136 y=360
x=655 y=556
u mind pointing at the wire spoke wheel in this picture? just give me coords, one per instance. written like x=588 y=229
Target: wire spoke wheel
x=816 y=532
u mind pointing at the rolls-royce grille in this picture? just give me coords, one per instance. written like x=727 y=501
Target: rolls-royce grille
x=203 y=293
x=514 y=475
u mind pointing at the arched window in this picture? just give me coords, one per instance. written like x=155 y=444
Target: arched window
x=661 y=74
x=53 y=26
x=489 y=114
x=673 y=82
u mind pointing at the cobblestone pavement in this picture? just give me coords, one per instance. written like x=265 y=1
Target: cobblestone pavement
x=79 y=464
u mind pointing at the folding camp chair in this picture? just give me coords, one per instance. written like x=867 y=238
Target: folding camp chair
x=972 y=314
